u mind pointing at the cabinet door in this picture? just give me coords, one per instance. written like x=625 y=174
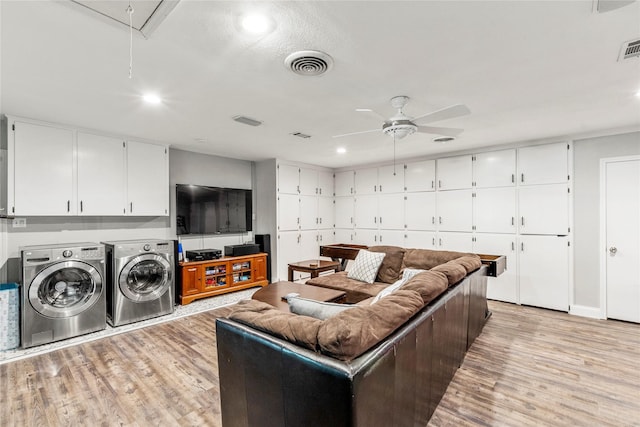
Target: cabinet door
x=344 y=182
x=543 y=164
x=420 y=211
x=259 y=266
x=325 y=183
x=420 y=176
x=191 y=280
x=224 y=274
x=325 y=213
x=391 y=237
x=454 y=173
x=342 y=235
x=420 y=240
x=494 y=210
x=43 y=170
x=366 y=181
x=543 y=267
x=288 y=252
x=391 y=179
x=366 y=211
x=495 y=169
x=544 y=209
x=147 y=179
x=288 y=179
x=326 y=237
x=308 y=182
x=365 y=237
x=288 y=212
x=504 y=287
x=454 y=210
x=309 y=218
x=391 y=211
x=309 y=245
x=461 y=242
x=344 y=214
x=101 y=175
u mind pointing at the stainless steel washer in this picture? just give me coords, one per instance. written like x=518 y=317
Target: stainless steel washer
x=140 y=280
x=62 y=292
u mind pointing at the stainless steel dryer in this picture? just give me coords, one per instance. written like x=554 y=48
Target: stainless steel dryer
x=140 y=280
x=62 y=292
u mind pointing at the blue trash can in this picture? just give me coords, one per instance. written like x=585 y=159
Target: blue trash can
x=9 y=316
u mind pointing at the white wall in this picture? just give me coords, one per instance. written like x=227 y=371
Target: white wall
x=586 y=199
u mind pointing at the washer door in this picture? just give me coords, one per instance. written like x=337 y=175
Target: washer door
x=65 y=289
x=145 y=277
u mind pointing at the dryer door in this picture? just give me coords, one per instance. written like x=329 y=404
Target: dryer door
x=65 y=289
x=145 y=277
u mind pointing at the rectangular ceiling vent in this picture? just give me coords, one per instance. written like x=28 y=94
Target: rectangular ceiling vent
x=630 y=49
x=301 y=135
x=247 y=120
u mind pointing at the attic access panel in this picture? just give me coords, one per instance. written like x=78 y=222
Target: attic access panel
x=147 y=14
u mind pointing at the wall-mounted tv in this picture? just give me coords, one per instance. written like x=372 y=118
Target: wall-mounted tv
x=212 y=210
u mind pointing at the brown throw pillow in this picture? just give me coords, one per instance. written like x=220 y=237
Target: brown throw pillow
x=391 y=264
x=454 y=271
x=429 y=284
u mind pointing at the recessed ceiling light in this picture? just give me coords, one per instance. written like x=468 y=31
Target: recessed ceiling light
x=152 y=98
x=255 y=24
x=341 y=150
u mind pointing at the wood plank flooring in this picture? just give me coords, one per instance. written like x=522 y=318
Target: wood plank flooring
x=529 y=367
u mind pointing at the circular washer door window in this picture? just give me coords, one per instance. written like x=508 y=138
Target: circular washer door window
x=145 y=278
x=65 y=289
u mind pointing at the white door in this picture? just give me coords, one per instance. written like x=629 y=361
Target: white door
x=344 y=183
x=147 y=179
x=420 y=176
x=325 y=213
x=420 y=211
x=342 y=235
x=494 y=210
x=460 y=242
x=344 y=212
x=391 y=238
x=495 y=169
x=622 y=239
x=288 y=179
x=326 y=237
x=288 y=251
x=366 y=181
x=365 y=237
x=543 y=164
x=454 y=173
x=309 y=245
x=288 y=212
x=504 y=287
x=101 y=175
x=454 y=210
x=420 y=240
x=325 y=183
x=309 y=218
x=391 y=179
x=391 y=211
x=544 y=209
x=366 y=211
x=309 y=182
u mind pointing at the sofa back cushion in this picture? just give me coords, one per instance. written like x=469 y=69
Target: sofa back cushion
x=470 y=262
x=429 y=284
x=454 y=271
x=391 y=264
x=366 y=266
x=426 y=259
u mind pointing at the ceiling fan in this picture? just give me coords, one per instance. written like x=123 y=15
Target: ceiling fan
x=401 y=125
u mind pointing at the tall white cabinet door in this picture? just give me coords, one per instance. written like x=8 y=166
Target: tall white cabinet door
x=366 y=181
x=494 y=210
x=454 y=210
x=544 y=209
x=309 y=182
x=365 y=237
x=391 y=211
x=495 y=169
x=344 y=183
x=288 y=212
x=461 y=242
x=420 y=240
x=101 y=175
x=288 y=251
x=504 y=287
x=420 y=211
x=147 y=179
x=326 y=213
x=342 y=235
x=543 y=164
x=344 y=212
x=391 y=238
x=543 y=266
x=420 y=176
x=454 y=173
x=366 y=211
x=288 y=179
x=309 y=245
x=391 y=179
x=43 y=174
x=326 y=237
x=325 y=183
x=309 y=219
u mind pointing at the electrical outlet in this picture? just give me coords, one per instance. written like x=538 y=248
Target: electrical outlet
x=19 y=223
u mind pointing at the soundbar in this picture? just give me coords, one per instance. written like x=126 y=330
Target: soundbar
x=239 y=250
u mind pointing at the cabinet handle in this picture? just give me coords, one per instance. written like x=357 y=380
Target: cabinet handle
x=513 y=246
x=433 y=184
x=351 y=190
x=321 y=237
x=433 y=242
x=522 y=246
x=522 y=177
x=375 y=219
x=81 y=207
x=513 y=221
x=440 y=242
x=68 y=205
x=320 y=191
x=351 y=220
x=381 y=188
x=316 y=220
x=439 y=184
x=191 y=269
x=298 y=188
x=375 y=238
x=131 y=207
x=374 y=188
x=381 y=239
x=433 y=220
x=513 y=178
x=316 y=190
x=380 y=220
x=522 y=221
x=439 y=220
x=320 y=220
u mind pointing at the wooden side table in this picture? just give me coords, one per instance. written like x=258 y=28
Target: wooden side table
x=313 y=266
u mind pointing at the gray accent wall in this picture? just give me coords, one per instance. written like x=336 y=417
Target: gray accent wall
x=586 y=199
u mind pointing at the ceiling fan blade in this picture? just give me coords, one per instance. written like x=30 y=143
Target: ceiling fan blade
x=372 y=113
x=356 y=133
x=446 y=113
x=607 y=5
x=440 y=131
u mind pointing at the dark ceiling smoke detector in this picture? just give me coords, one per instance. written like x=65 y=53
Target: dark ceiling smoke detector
x=247 y=120
x=443 y=139
x=309 y=62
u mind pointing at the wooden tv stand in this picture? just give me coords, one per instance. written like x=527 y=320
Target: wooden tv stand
x=202 y=279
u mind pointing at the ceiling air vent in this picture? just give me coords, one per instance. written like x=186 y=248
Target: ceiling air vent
x=309 y=62
x=630 y=49
x=443 y=139
x=247 y=120
x=301 y=135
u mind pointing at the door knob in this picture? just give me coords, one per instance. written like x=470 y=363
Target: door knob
x=613 y=250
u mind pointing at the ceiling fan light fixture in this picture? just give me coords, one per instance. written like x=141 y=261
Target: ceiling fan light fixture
x=399 y=128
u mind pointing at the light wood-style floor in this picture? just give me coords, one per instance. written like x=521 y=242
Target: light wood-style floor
x=529 y=367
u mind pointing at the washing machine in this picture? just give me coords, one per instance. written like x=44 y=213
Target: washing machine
x=140 y=280
x=63 y=292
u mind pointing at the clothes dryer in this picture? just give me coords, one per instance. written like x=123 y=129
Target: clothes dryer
x=62 y=292
x=140 y=280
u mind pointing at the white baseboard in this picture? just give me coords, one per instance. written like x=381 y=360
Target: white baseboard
x=584 y=311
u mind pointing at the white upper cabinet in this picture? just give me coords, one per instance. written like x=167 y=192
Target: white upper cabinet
x=495 y=169
x=344 y=182
x=454 y=210
x=420 y=211
x=288 y=212
x=308 y=182
x=43 y=170
x=494 y=210
x=344 y=213
x=101 y=165
x=544 y=209
x=147 y=179
x=391 y=179
x=288 y=179
x=325 y=183
x=309 y=218
x=366 y=211
x=454 y=173
x=366 y=181
x=391 y=211
x=326 y=214
x=420 y=176
x=543 y=164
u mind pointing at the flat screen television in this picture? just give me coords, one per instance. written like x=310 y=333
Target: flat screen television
x=212 y=210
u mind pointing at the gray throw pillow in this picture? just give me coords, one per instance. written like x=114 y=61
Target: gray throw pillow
x=317 y=309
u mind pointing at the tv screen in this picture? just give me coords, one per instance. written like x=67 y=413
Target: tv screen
x=212 y=210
